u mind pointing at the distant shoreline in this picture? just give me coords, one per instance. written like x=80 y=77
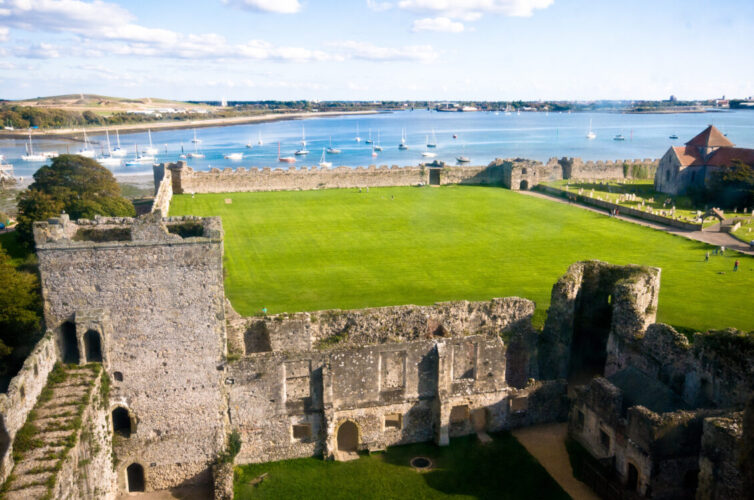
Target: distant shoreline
x=67 y=133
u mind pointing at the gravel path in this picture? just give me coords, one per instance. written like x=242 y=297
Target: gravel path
x=710 y=237
x=547 y=444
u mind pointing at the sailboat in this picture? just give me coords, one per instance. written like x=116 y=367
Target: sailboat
x=31 y=156
x=332 y=150
x=403 y=145
x=117 y=150
x=303 y=151
x=109 y=159
x=369 y=141
x=428 y=154
x=590 y=134
x=674 y=136
x=374 y=152
x=86 y=151
x=183 y=153
x=259 y=142
x=249 y=144
x=151 y=150
x=140 y=159
x=462 y=158
x=322 y=162
x=433 y=143
x=619 y=137
x=285 y=159
x=196 y=153
x=234 y=156
x=195 y=140
x=358 y=137
x=378 y=147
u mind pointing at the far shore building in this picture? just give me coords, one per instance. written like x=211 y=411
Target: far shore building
x=692 y=165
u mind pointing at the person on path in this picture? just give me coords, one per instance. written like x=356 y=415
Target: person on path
x=706 y=256
x=722 y=250
x=735 y=265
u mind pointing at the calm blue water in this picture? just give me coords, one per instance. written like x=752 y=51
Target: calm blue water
x=481 y=136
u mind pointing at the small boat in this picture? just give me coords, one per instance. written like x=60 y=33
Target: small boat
x=195 y=140
x=403 y=146
x=619 y=137
x=674 y=137
x=285 y=159
x=249 y=145
x=260 y=142
x=117 y=150
x=428 y=154
x=322 y=162
x=369 y=140
x=463 y=159
x=151 y=150
x=378 y=147
x=31 y=156
x=140 y=159
x=358 y=137
x=455 y=136
x=109 y=160
x=234 y=156
x=303 y=151
x=590 y=135
x=332 y=150
x=433 y=143
x=196 y=154
x=86 y=151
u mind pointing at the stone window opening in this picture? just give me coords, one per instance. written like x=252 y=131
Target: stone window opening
x=93 y=346
x=118 y=376
x=122 y=423
x=524 y=171
x=580 y=419
x=605 y=440
x=393 y=421
x=22 y=391
x=459 y=414
x=69 y=344
x=302 y=432
x=519 y=404
x=632 y=481
x=135 y=477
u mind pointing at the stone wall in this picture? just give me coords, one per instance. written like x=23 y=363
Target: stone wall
x=22 y=394
x=163 y=189
x=719 y=461
x=155 y=300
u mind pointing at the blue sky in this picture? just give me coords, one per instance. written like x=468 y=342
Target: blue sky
x=378 y=49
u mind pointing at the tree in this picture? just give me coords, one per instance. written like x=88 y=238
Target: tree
x=732 y=186
x=19 y=309
x=78 y=185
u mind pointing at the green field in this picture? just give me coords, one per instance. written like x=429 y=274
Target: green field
x=466 y=469
x=310 y=250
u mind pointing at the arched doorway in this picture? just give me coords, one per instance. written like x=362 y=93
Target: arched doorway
x=524 y=185
x=135 y=476
x=70 y=344
x=93 y=346
x=633 y=477
x=122 y=422
x=348 y=436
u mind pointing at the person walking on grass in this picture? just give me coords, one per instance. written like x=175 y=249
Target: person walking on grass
x=722 y=250
x=706 y=256
x=735 y=265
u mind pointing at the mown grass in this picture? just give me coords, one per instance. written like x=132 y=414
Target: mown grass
x=465 y=469
x=341 y=248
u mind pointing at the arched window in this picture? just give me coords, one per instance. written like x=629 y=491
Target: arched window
x=93 y=345
x=135 y=476
x=122 y=422
x=69 y=344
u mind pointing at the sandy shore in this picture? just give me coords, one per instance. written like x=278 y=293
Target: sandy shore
x=175 y=125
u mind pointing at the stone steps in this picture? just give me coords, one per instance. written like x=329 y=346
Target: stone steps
x=34 y=475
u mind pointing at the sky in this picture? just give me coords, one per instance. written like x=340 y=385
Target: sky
x=378 y=49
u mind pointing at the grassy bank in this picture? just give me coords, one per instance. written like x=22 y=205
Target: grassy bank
x=465 y=469
x=341 y=248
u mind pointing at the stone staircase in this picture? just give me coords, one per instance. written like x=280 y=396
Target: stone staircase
x=51 y=430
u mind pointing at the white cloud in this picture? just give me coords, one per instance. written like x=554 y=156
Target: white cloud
x=370 y=52
x=3 y=34
x=274 y=6
x=471 y=10
x=37 y=51
x=376 y=6
x=441 y=24
x=62 y=15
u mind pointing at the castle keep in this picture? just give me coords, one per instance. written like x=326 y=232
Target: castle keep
x=144 y=297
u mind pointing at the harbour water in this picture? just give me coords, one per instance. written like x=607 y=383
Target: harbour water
x=480 y=136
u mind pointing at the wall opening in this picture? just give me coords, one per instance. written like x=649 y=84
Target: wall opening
x=122 y=422
x=118 y=376
x=592 y=320
x=135 y=476
x=519 y=404
x=459 y=414
x=580 y=420
x=302 y=432
x=605 y=440
x=70 y=343
x=524 y=171
x=524 y=185
x=348 y=436
x=479 y=419
x=434 y=177
x=93 y=347
x=393 y=421
x=633 y=478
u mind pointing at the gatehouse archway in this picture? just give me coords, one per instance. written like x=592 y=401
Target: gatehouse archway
x=348 y=436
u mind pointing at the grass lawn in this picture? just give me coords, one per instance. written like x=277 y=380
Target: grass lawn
x=310 y=250
x=465 y=469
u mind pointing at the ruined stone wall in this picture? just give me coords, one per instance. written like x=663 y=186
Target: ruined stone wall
x=164 y=189
x=162 y=295
x=720 y=461
x=22 y=394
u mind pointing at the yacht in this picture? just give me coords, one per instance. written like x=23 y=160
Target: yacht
x=590 y=134
x=429 y=154
x=249 y=145
x=86 y=151
x=151 y=150
x=109 y=160
x=322 y=162
x=332 y=150
x=303 y=151
x=378 y=147
x=285 y=159
x=260 y=142
x=195 y=140
x=463 y=159
x=358 y=137
x=369 y=140
x=32 y=156
x=619 y=137
x=196 y=154
x=117 y=150
x=234 y=156
x=433 y=143
x=140 y=159
x=403 y=145
x=674 y=137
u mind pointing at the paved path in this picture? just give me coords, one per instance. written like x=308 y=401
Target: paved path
x=709 y=237
x=185 y=493
x=547 y=444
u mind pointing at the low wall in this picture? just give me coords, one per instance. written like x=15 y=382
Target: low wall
x=632 y=212
x=23 y=391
